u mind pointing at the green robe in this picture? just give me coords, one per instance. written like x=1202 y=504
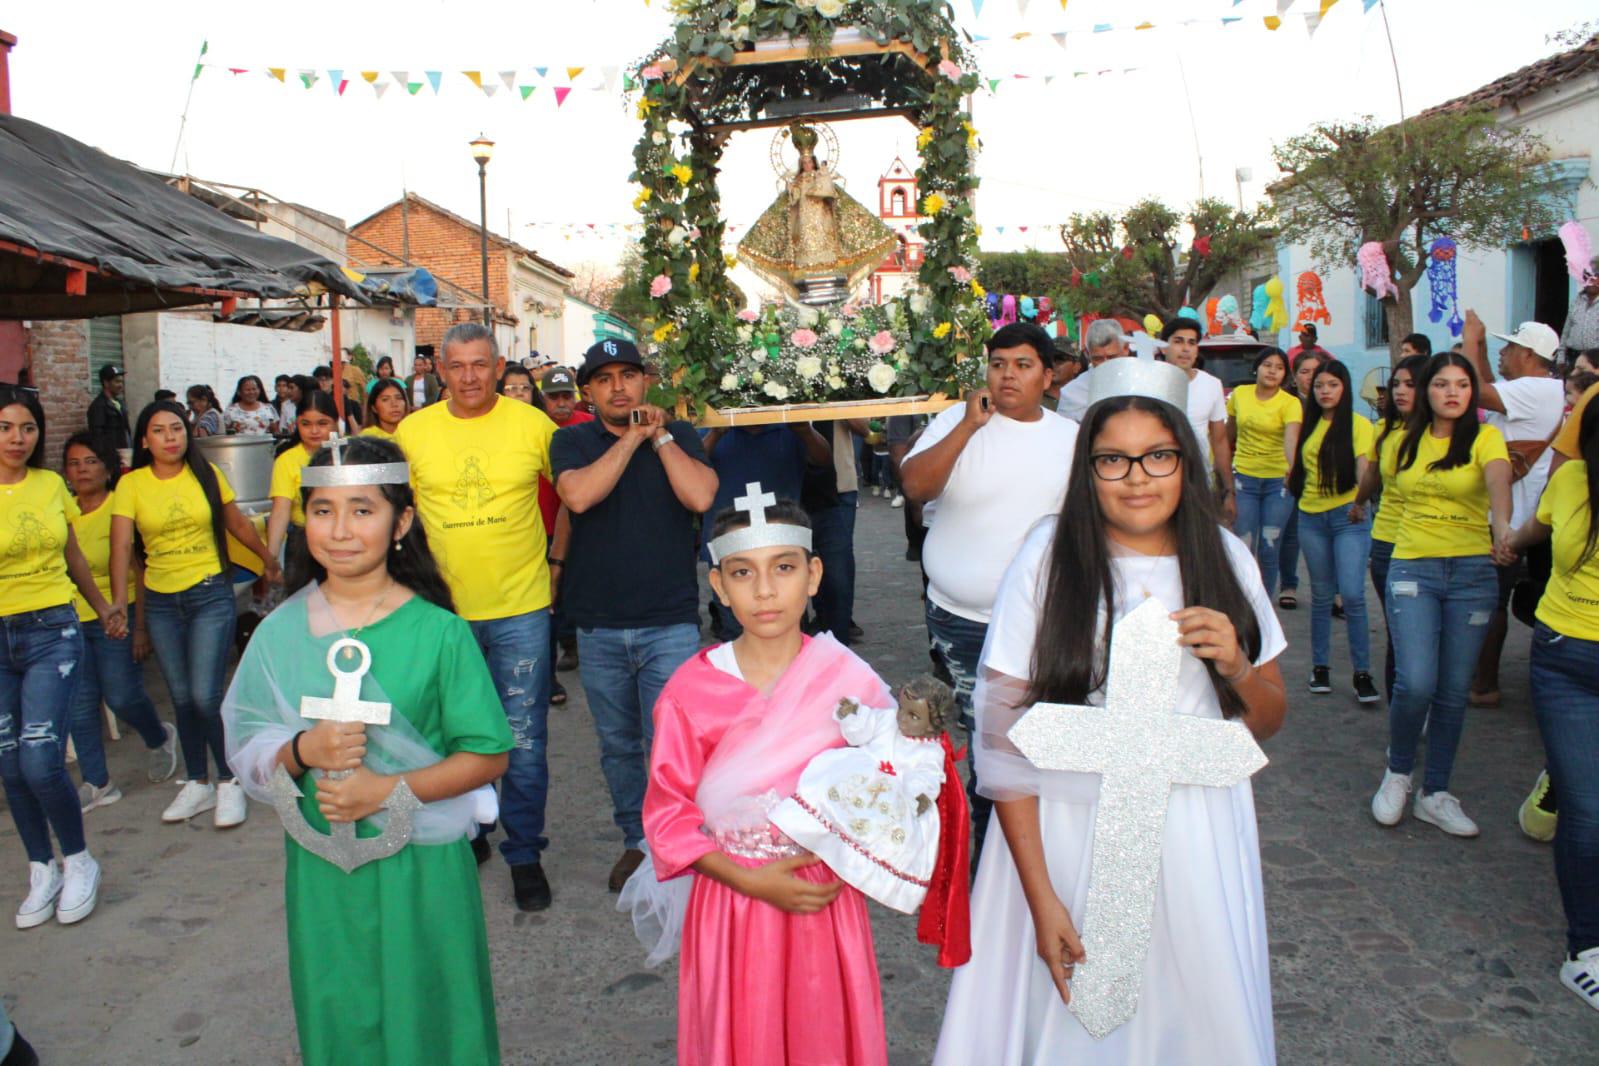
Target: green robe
x=390 y=964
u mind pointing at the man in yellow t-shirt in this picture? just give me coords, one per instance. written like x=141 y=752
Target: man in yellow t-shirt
x=475 y=462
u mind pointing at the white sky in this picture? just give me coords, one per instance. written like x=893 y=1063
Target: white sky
x=114 y=74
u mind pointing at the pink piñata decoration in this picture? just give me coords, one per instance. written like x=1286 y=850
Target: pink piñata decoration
x=1374 y=273
x=1579 y=251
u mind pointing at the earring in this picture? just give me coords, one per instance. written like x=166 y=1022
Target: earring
x=398 y=546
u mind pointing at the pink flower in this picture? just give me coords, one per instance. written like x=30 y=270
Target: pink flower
x=653 y=72
x=960 y=274
x=950 y=70
x=747 y=315
x=803 y=338
x=660 y=285
x=850 y=310
x=882 y=342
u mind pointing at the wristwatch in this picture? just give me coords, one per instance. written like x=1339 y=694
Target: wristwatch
x=661 y=440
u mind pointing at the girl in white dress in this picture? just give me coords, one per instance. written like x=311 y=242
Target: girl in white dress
x=1138 y=521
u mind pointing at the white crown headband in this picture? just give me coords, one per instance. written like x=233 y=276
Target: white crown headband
x=759 y=533
x=1138 y=377
x=336 y=474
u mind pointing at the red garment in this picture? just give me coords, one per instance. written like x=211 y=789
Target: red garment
x=1299 y=349
x=946 y=919
x=549 y=502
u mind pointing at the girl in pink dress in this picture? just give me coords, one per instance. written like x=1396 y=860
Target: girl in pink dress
x=778 y=964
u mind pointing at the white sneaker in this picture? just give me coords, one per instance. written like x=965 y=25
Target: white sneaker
x=44 y=888
x=1581 y=975
x=80 y=888
x=877 y=490
x=196 y=797
x=1388 y=805
x=1443 y=811
x=161 y=763
x=90 y=797
x=231 y=807
x=899 y=500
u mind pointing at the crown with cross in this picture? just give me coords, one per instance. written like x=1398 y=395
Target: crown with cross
x=338 y=473
x=759 y=533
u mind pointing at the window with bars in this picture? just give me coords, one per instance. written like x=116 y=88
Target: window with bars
x=105 y=347
x=1376 y=321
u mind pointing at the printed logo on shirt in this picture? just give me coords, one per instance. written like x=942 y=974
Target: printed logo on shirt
x=31 y=535
x=472 y=488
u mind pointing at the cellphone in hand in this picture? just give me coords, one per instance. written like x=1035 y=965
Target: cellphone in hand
x=637 y=416
x=983 y=401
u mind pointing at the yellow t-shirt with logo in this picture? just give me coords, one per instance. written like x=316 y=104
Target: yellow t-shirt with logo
x=286 y=480
x=1446 y=511
x=174 y=520
x=1570 y=603
x=93 y=530
x=477 y=491
x=377 y=431
x=1261 y=424
x=34 y=514
x=1312 y=500
x=1391 y=509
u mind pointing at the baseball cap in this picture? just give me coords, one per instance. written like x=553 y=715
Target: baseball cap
x=109 y=372
x=606 y=352
x=558 y=380
x=1309 y=328
x=1536 y=336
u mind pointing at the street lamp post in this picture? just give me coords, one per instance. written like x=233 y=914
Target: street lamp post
x=482 y=151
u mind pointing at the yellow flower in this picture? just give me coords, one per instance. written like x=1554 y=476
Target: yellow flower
x=663 y=332
x=683 y=173
x=645 y=105
x=971 y=134
x=977 y=231
x=641 y=199
x=694 y=272
x=977 y=290
x=932 y=204
x=925 y=138
x=732 y=261
x=941 y=330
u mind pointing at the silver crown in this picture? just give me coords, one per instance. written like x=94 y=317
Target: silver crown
x=338 y=474
x=759 y=533
x=1138 y=377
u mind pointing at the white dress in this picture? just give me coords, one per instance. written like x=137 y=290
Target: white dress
x=855 y=808
x=1206 y=994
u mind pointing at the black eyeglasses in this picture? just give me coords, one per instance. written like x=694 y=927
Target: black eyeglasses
x=1113 y=466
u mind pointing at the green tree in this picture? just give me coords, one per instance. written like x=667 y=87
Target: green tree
x=631 y=301
x=1145 y=260
x=1456 y=174
x=1032 y=272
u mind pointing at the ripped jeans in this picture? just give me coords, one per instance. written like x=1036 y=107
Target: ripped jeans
x=1263 y=513
x=958 y=642
x=515 y=650
x=40 y=652
x=1438 y=611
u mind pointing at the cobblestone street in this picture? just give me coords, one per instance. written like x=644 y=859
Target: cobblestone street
x=1388 y=945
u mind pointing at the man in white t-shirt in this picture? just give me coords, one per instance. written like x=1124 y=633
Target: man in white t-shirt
x=1101 y=341
x=1207 y=407
x=1526 y=404
x=994 y=466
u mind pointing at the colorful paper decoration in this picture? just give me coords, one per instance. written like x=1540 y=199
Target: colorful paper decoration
x=1312 y=303
x=1276 y=310
x=1228 y=315
x=1153 y=325
x=1007 y=310
x=1212 y=323
x=1375 y=276
x=1579 y=250
x=1442 y=259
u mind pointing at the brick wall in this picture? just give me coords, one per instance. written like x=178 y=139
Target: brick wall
x=58 y=353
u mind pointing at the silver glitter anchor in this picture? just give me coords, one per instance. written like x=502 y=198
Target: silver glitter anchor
x=340 y=845
x=1140 y=749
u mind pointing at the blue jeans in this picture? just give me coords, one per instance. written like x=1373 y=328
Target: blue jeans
x=1263 y=511
x=834 y=529
x=515 y=649
x=40 y=653
x=623 y=672
x=1288 y=558
x=958 y=643
x=1336 y=553
x=1382 y=553
x=191 y=631
x=1438 y=611
x=109 y=673
x=1565 y=697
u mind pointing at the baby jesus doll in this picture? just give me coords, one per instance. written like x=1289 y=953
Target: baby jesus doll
x=874 y=811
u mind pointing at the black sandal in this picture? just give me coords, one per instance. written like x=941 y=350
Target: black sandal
x=1287 y=601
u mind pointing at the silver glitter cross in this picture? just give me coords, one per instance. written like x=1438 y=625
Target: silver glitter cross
x=1140 y=749
x=754 y=503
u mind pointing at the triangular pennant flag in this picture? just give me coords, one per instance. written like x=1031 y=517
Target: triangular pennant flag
x=308 y=78
x=1283 y=6
x=527 y=90
x=401 y=77
x=1312 y=22
x=1144 y=26
x=561 y=92
x=1047 y=79
x=610 y=77
x=475 y=77
x=335 y=75
x=1367 y=5
x=1000 y=229
x=343 y=84
x=509 y=78
x=1060 y=39
x=573 y=72
x=977 y=8
x=490 y=89
x=413 y=87
x=277 y=72
x=1021 y=6
x=993 y=84
x=1326 y=6
x=628 y=84
x=380 y=87
x=238 y=70
x=1228 y=20
x=1102 y=27
x=541 y=71
x=369 y=76
x=434 y=77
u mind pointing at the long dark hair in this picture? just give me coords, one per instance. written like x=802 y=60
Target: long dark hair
x=197 y=464
x=1588 y=447
x=28 y=397
x=204 y=392
x=1070 y=659
x=315 y=400
x=1335 y=459
x=379 y=386
x=410 y=561
x=1392 y=417
x=261 y=392
x=518 y=369
x=102 y=451
x=1464 y=435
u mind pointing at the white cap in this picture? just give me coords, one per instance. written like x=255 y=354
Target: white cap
x=1138 y=377
x=1536 y=336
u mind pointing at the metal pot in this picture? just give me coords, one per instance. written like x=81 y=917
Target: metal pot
x=246 y=459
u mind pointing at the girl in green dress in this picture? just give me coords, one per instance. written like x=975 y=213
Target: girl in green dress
x=388 y=963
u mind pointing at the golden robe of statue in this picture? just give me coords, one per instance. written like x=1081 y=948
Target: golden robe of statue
x=815 y=231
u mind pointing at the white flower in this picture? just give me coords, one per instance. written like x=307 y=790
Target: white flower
x=830 y=8
x=835 y=326
x=776 y=391
x=860 y=344
x=746 y=334
x=757 y=353
x=729 y=382
x=881 y=377
x=657 y=138
x=832 y=368
x=808 y=367
x=746 y=8
x=757 y=377
x=835 y=382
x=804 y=3
x=677 y=236
x=918 y=302
x=808 y=316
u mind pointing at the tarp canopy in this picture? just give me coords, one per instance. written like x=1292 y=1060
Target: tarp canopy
x=83 y=235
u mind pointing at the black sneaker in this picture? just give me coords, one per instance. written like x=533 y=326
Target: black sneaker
x=1365 y=690
x=21 y=1053
x=557 y=692
x=532 y=888
x=1320 y=679
x=1337 y=609
x=482 y=850
x=568 y=657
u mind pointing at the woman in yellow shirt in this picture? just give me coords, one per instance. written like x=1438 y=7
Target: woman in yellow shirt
x=1454 y=473
x=1263 y=421
x=1565 y=691
x=179 y=508
x=41 y=647
x=316 y=421
x=386 y=407
x=1328 y=465
x=110 y=668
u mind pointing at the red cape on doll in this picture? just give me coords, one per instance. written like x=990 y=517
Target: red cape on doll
x=946 y=920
